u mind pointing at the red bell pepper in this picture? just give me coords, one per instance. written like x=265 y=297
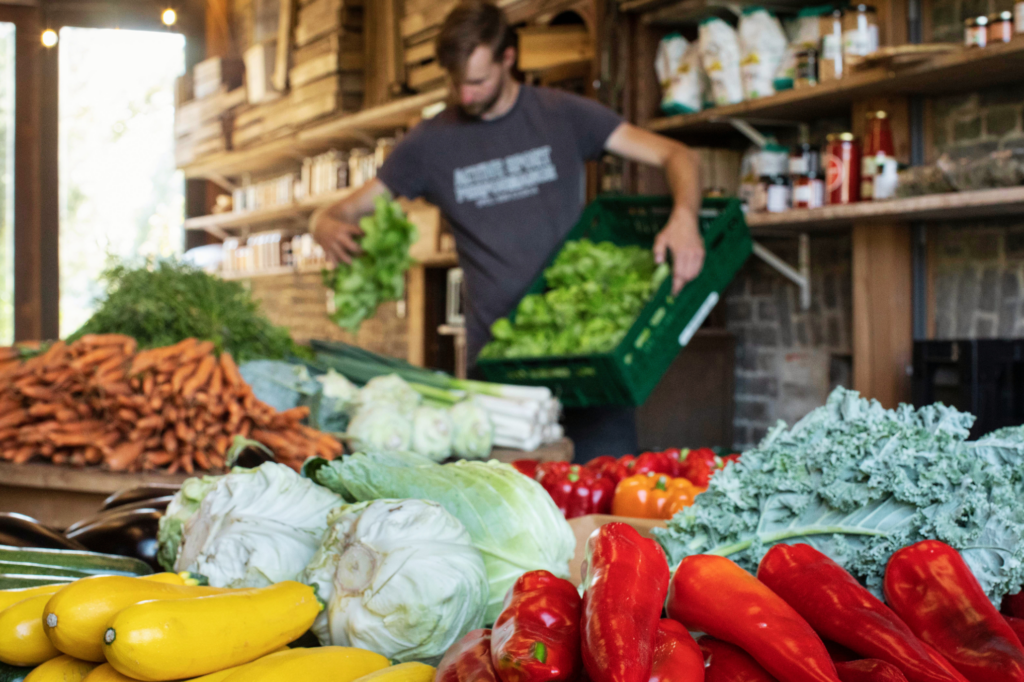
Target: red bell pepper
x=577 y=491
x=537 y=636
x=677 y=658
x=728 y=663
x=527 y=467
x=468 y=660
x=1013 y=605
x=841 y=610
x=1017 y=624
x=656 y=463
x=625 y=578
x=869 y=670
x=931 y=588
x=701 y=464
x=608 y=467
x=712 y=594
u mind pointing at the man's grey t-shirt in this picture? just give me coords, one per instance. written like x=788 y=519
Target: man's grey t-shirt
x=511 y=188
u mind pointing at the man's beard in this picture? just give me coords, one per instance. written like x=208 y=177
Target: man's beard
x=477 y=110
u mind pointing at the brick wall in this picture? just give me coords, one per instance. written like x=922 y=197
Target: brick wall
x=763 y=311
x=299 y=302
x=976 y=124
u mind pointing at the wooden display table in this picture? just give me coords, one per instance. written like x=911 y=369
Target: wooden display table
x=59 y=496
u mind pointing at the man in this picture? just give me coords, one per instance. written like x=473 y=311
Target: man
x=505 y=164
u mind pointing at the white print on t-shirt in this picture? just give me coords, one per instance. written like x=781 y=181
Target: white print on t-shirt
x=500 y=180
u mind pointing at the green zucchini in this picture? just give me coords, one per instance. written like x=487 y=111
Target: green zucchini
x=92 y=563
x=10 y=673
x=39 y=569
x=9 y=581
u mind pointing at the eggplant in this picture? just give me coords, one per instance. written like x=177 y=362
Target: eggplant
x=139 y=493
x=159 y=503
x=18 y=530
x=130 y=532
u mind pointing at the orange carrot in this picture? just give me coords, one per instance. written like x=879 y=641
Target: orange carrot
x=197 y=351
x=124 y=455
x=93 y=455
x=200 y=378
x=186 y=463
x=181 y=374
x=96 y=357
x=170 y=442
x=231 y=374
x=202 y=459
x=15 y=418
x=105 y=339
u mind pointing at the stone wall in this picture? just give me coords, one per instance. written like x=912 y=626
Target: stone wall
x=976 y=124
x=977 y=270
x=772 y=332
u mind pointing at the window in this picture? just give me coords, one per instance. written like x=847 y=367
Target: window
x=120 y=195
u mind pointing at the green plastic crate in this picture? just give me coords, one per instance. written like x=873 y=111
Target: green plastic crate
x=628 y=374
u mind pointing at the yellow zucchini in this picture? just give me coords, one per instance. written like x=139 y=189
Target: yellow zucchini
x=403 y=672
x=11 y=597
x=324 y=664
x=221 y=675
x=106 y=673
x=22 y=638
x=171 y=640
x=77 y=616
x=61 y=669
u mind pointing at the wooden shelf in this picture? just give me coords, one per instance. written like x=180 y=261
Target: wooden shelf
x=438 y=260
x=362 y=127
x=218 y=224
x=955 y=72
x=986 y=203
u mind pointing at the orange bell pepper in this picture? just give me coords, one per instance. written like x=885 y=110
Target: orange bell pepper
x=653 y=496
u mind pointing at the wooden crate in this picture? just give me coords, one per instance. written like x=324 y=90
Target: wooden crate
x=210 y=75
x=546 y=47
x=202 y=126
x=324 y=17
x=337 y=53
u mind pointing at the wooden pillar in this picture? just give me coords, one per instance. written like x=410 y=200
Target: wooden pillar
x=416 y=314
x=882 y=333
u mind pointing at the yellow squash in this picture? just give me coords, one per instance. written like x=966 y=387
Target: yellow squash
x=106 y=673
x=10 y=597
x=325 y=664
x=22 y=638
x=226 y=673
x=172 y=640
x=77 y=616
x=61 y=669
x=403 y=672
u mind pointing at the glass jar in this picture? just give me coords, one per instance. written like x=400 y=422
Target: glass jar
x=1018 y=17
x=860 y=31
x=806 y=68
x=808 y=191
x=842 y=169
x=1000 y=27
x=778 y=194
x=878 y=148
x=976 y=32
x=830 y=62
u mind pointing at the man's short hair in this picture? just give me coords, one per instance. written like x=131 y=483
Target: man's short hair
x=467 y=27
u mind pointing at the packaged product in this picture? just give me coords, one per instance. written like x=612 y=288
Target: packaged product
x=677 y=65
x=720 y=57
x=762 y=49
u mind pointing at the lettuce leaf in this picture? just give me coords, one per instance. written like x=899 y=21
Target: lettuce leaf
x=858 y=482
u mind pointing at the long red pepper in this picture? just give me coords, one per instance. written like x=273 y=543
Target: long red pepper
x=537 y=636
x=677 y=658
x=841 y=610
x=728 y=663
x=869 y=670
x=625 y=578
x=931 y=588
x=468 y=660
x=712 y=594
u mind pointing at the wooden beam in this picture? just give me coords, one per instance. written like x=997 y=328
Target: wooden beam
x=416 y=314
x=882 y=331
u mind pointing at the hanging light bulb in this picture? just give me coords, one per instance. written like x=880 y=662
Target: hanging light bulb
x=49 y=38
x=169 y=17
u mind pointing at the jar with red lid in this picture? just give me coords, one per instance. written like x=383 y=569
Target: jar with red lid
x=878 y=148
x=842 y=169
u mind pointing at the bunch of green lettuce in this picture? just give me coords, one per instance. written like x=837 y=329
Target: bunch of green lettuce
x=858 y=482
x=378 y=273
x=510 y=519
x=595 y=292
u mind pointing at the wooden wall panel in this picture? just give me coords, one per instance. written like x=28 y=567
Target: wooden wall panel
x=882 y=320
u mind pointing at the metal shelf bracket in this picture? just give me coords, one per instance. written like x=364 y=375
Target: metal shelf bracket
x=801 y=275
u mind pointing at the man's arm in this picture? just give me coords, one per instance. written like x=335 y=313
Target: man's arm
x=681 y=164
x=336 y=227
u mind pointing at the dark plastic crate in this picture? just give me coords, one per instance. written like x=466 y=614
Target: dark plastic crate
x=629 y=373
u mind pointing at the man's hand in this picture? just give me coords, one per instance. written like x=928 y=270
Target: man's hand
x=337 y=237
x=682 y=237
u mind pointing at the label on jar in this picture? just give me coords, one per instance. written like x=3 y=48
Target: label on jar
x=861 y=41
x=975 y=36
x=798 y=165
x=778 y=198
x=809 y=194
x=1018 y=17
x=832 y=46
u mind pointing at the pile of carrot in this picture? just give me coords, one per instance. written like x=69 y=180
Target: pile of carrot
x=97 y=401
